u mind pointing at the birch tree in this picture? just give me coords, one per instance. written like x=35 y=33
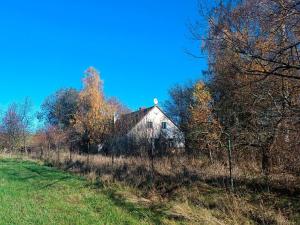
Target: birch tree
x=94 y=116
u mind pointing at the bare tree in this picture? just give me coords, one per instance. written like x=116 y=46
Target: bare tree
x=11 y=128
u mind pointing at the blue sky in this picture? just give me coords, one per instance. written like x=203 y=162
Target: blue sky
x=138 y=46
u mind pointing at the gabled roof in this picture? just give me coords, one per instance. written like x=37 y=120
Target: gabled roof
x=127 y=121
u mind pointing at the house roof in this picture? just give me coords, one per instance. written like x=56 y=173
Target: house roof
x=127 y=121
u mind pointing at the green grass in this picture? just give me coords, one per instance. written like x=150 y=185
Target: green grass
x=31 y=193
x=35 y=194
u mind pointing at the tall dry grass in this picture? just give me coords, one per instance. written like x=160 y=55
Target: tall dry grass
x=194 y=189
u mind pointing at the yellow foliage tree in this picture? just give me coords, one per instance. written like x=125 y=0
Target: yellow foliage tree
x=204 y=129
x=94 y=116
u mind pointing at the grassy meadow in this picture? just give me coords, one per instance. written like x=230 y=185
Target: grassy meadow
x=31 y=193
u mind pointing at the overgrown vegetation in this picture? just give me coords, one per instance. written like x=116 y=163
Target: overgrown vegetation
x=192 y=190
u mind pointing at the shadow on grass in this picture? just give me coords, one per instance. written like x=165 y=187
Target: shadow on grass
x=145 y=179
x=170 y=185
x=152 y=214
x=38 y=178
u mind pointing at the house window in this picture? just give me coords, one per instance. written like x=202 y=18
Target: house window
x=164 y=125
x=150 y=125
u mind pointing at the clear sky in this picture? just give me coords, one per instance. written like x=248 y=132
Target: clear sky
x=137 y=45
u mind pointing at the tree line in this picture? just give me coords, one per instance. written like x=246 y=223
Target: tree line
x=249 y=105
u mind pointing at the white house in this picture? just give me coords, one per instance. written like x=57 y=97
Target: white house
x=152 y=124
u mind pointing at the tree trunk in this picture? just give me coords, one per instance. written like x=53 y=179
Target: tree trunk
x=210 y=155
x=112 y=159
x=152 y=158
x=230 y=163
x=88 y=153
x=58 y=155
x=266 y=165
x=70 y=153
x=42 y=152
x=49 y=149
x=24 y=143
x=265 y=162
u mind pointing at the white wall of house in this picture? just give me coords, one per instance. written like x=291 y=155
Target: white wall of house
x=157 y=118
